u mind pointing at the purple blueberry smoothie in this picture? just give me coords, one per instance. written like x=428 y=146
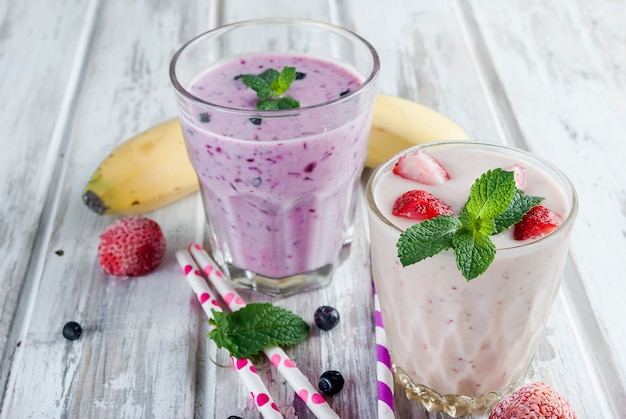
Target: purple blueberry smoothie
x=278 y=187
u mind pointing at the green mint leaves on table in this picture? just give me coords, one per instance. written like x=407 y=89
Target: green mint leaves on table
x=494 y=204
x=270 y=86
x=247 y=331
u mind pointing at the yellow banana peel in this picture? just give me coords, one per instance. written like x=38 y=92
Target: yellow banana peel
x=151 y=170
x=145 y=173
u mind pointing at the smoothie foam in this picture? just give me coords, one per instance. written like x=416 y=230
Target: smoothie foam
x=279 y=191
x=451 y=335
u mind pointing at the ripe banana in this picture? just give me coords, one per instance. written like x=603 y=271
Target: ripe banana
x=399 y=123
x=152 y=170
x=144 y=173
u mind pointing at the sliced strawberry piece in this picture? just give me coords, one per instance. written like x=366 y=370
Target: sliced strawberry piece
x=421 y=167
x=420 y=205
x=537 y=222
x=519 y=172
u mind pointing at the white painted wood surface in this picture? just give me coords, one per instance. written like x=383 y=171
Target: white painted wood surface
x=79 y=77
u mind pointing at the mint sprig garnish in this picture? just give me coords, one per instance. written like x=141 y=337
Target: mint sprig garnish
x=270 y=86
x=494 y=204
x=245 y=332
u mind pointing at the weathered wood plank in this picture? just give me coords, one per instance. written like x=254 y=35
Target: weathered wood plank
x=39 y=54
x=137 y=356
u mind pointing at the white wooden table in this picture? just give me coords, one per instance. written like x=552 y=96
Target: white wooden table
x=78 y=77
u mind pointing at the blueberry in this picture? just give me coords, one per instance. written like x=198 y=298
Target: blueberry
x=331 y=382
x=300 y=76
x=256 y=121
x=204 y=117
x=72 y=331
x=234 y=417
x=345 y=92
x=326 y=317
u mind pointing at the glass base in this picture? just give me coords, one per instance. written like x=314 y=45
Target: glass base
x=306 y=281
x=289 y=285
x=452 y=404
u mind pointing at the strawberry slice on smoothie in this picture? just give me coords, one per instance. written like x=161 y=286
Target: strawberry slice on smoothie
x=420 y=205
x=421 y=167
x=538 y=222
x=519 y=174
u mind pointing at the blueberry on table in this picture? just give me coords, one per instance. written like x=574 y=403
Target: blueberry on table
x=331 y=382
x=72 y=331
x=326 y=317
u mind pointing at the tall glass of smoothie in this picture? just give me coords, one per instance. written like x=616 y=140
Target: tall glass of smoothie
x=278 y=186
x=458 y=345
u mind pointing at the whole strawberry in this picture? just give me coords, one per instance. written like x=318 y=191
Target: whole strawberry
x=533 y=401
x=131 y=246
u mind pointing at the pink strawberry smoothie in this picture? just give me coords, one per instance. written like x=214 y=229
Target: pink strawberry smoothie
x=460 y=337
x=279 y=191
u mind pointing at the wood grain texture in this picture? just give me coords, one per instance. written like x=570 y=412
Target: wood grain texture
x=548 y=77
x=31 y=131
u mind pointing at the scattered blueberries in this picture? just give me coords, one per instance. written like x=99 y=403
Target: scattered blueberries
x=72 y=331
x=331 y=382
x=326 y=317
x=256 y=121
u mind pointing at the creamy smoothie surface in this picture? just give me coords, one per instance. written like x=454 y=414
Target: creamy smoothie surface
x=279 y=190
x=457 y=336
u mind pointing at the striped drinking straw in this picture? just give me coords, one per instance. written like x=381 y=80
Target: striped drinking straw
x=384 y=374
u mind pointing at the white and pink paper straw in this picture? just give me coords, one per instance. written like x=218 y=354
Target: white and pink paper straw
x=384 y=374
x=285 y=366
x=262 y=398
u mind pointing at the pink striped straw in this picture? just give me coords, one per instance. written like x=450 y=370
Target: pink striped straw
x=262 y=398
x=285 y=366
x=386 y=407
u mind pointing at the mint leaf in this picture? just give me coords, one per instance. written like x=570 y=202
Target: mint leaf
x=426 y=239
x=486 y=226
x=287 y=103
x=284 y=80
x=491 y=194
x=519 y=206
x=494 y=204
x=270 y=86
x=245 y=332
x=270 y=76
x=267 y=105
x=473 y=252
x=258 y=84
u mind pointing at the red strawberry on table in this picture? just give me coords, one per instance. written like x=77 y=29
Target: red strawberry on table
x=537 y=222
x=421 y=167
x=533 y=401
x=131 y=246
x=420 y=205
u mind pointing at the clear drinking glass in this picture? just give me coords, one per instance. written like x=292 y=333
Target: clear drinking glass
x=278 y=187
x=457 y=346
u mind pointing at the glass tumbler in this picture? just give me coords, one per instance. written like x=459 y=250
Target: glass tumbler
x=456 y=345
x=278 y=186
